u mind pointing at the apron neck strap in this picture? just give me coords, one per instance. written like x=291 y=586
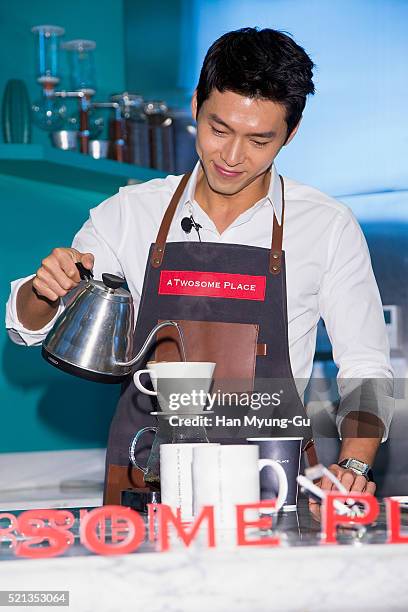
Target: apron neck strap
x=160 y=244
x=275 y=257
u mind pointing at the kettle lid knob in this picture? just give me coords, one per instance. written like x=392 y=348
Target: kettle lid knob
x=112 y=281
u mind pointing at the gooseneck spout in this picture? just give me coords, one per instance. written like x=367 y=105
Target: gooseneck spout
x=149 y=339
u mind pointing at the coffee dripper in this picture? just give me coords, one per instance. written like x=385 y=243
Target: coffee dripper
x=174 y=425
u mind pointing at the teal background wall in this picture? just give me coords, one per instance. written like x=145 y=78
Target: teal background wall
x=40 y=407
x=155 y=48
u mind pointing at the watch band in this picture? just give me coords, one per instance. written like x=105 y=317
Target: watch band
x=358 y=467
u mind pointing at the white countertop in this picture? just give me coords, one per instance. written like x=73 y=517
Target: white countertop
x=229 y=578
x=319 y=579
x=51 y=479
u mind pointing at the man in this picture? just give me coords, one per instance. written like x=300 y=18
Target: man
x=248 y=105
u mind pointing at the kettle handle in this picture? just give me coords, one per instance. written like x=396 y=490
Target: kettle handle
x=84 y=273
x=133 y=444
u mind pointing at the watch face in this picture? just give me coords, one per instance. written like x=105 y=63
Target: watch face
x=358 y=465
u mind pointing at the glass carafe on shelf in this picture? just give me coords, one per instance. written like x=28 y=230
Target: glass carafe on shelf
x=81 y=64
x=48 y=113
x=47 y=42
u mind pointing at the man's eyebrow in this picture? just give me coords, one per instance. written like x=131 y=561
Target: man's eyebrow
x=218 y=119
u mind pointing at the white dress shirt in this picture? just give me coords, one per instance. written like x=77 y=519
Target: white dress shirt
x=328 y=270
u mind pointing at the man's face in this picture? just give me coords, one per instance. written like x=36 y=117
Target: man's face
x=238 y=138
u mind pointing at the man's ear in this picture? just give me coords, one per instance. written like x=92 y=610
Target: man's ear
x=194 y=105
x=293 y=132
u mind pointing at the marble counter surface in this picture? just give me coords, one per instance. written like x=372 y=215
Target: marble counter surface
x=318 y=579
x=355 y=577
x=51 y=479
x=352 y=578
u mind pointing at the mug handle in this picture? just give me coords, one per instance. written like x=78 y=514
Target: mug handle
x=136 y=380
x=133 y=444
x=283 y=481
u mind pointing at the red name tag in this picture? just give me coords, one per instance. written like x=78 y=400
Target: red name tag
x=212 y=284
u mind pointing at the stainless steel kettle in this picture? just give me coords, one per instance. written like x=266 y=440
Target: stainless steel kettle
x=93 y=336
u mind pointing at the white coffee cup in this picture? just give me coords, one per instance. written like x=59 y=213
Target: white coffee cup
x=176 y=479
x=227 y=475
x=178 y=385
x=150 y=369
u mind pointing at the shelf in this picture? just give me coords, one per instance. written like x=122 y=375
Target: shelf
x=68 y=168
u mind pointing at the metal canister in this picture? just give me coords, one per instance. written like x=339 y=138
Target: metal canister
x=135 y=128
x=161 y=136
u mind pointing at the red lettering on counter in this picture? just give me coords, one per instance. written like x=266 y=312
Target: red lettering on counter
x=393 y=513
x=127 y=530
x=50 y=525
x=265 y=522
x=187 y=532
x=46 y=533
x=212 y=284
x=331 y=519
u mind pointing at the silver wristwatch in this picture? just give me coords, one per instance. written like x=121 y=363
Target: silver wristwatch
x=358 y=467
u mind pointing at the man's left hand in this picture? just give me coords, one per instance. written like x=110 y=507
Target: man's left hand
x=351 y=480
x=348 y=478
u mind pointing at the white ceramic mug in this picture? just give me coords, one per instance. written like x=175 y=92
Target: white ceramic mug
x=176 y=480
x=227 y=475
x=178 y=385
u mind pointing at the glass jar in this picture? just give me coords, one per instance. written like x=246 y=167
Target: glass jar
x=47 y=41
x=81 y=64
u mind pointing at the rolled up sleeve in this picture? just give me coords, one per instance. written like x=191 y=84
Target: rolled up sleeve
x=350 y=305
x=15 y=329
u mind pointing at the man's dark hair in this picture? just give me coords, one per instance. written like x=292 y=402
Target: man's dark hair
x=265 y=64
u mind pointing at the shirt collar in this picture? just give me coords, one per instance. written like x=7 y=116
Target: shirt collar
x=274 y=195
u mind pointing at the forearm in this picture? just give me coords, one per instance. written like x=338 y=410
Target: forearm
x=361 y=433
x=34 y=311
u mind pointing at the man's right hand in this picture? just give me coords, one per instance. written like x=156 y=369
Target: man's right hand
x=58 y=273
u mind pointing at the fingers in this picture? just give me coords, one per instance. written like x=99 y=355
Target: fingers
x=65 y=260
x=42 y=289
x=354 y=482
x=349 y=479
x=87 y=260
x=61 y=266
x=357 y=483
x=371 y=487
x=326 y=483
x=58 y=273
x=47 y=285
